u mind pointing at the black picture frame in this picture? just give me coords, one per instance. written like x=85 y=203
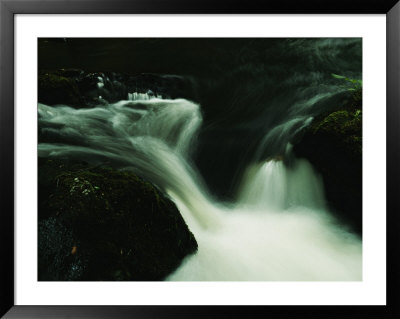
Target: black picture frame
x=9 y=8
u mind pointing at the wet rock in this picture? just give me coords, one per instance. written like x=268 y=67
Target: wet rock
x=78 y=88
x=58 y=89
x=56 y=260
x=99 y=223
x=333 y=144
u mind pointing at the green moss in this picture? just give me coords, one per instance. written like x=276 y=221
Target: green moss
x=58 y=89
x=126 y=226
x=333 y=144
x=344 y=127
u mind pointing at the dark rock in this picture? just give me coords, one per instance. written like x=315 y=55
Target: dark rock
x=58 y=89
x=333 y=144
x=56 y=261
x=78 y=88
x=99 y=223
x=69 y=72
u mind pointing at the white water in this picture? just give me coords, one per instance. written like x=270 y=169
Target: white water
x=134 y=96
x=279 y=228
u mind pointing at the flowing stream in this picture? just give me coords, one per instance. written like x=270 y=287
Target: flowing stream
x=276 y=228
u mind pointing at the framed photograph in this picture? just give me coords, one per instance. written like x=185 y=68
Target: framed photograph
x=172 y=159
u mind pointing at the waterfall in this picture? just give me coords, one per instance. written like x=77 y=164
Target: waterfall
x=151 y=137
x=277 y=229
x=273 y=185
x=135 y=96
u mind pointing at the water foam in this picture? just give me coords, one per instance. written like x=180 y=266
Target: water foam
x=278 y=229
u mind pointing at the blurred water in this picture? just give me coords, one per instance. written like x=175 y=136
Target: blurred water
x=278 y=229
x=221 y=158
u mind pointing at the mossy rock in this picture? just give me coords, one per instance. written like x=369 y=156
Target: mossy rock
x=333 y=144
x=79 y=88
x=58 y=89
x=344 y=127
x=113 y=225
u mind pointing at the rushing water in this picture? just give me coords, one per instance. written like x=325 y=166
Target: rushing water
x=278 y=229
x=274 y=225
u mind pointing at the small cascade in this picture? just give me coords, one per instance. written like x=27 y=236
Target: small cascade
x=149 y=95
x=279 y=229
x=274 y=186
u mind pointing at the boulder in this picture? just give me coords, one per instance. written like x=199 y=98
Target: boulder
x=99 y=223
x=78 y=88
x=333 y=144
x=54 y=88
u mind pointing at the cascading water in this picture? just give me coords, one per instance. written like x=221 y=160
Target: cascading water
x=277 y=229
x=135 y=96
